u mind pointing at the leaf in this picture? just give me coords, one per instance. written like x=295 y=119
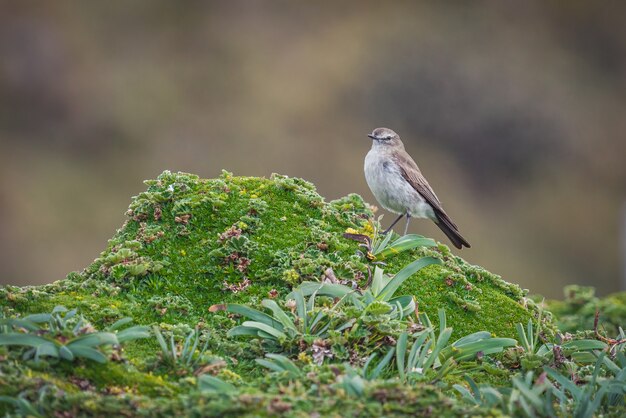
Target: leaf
x=583 y=345
x=94 y=339
x=285 y=362
x=22 y=339
x=270 y=365
x=119 y=323
x=477 y=336
x=532 y=397
x=254 y=315
x=382 y=244
x=47 y=349
x=133 y=333
x=523 y=338
x=405 y=243
x=161 y=340
x=378 y=281
x=279 y=314
x=467 y=351
x=400 y=353
x=59 y=308
x=65 y=353
x=444 y=336
x=382 y=364
x=301 y=309
x=334 y=290
x=208 y=383
x=38 y=318
x=413 y=358
x=240 y=330
x=266 y=328
x=391 y=287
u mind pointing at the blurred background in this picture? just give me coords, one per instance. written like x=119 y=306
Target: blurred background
x=515 y=112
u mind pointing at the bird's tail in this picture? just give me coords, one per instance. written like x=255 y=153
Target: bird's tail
x=449 y=228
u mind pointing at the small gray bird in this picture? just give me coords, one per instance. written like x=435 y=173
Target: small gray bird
x=399 y=186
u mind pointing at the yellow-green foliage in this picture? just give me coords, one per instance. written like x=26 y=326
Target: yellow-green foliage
x=190 y=243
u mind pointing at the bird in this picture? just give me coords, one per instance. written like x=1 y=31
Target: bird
x=399 y=186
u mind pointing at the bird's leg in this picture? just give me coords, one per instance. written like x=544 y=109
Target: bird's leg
x=408 y=219
x=394 y=222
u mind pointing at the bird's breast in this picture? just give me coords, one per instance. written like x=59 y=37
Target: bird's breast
x=391 y=189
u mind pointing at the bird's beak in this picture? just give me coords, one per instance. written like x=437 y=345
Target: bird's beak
x=371 y=136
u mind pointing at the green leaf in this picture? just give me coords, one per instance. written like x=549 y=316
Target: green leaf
x=47 y=349
x=65 y=353
x=391 y=287
x=240 y=330
x=378 y=281
x=301 y=309
x=208 y=383
x=253 y=314
x=382 y=364
x=94 y=339
x=444 y=336
x=20 y=323
x=532 y=397
x=334 y=290
x=405 y=243
x=381 y=245
x=88 y=353
x=279 y=314
x=523 y=338
x=120 y=323
x=285 y=362
x=414 y=360
x=161 y=340
x=477 y=336
x=584 y=345
x=22 y=339
x=467 y=351
x=133 y=333
x=400 y=353
x=266 y=328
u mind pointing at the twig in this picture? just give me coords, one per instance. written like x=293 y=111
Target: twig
x=610 y=341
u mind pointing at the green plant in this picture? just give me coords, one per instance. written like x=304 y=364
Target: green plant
x=281 y=364
x=380 y=246
x=212 y=384
x=25 y=408
x=185 y=357
x=304 y=321
x=382 y=289
x=64 y=335
x=351 y=382
x=526 y=397
x=604 y=389
x=430 y=351
x=532 y=355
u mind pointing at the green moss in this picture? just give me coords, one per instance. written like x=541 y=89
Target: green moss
x=189 y=243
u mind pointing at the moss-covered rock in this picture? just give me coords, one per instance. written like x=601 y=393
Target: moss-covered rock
x=190 y=243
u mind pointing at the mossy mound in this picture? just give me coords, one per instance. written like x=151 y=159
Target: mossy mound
x=190 y=243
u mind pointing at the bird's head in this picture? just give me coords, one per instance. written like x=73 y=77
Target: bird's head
x=385 y=137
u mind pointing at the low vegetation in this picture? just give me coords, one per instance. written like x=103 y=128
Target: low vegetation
x=255 y=297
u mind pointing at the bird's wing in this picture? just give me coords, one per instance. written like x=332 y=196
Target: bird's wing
x=413 y=175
